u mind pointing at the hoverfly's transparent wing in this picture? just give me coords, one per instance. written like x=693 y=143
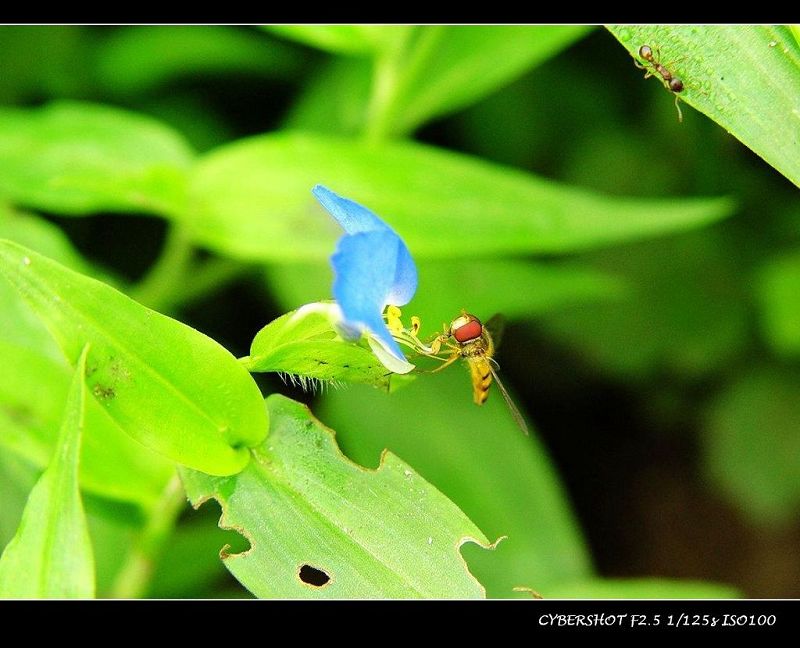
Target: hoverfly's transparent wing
x=496 y=325
x=514 y=410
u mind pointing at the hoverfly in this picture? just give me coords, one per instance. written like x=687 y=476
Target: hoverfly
x=473 y=342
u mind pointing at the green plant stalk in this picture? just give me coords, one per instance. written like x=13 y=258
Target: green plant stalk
x=392 y=75
x=134 y=577
x=174 y=280
x=204 y=278
x=168 y=272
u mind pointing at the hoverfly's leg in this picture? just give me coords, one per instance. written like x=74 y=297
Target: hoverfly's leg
x=436 y=344
x=447 y=362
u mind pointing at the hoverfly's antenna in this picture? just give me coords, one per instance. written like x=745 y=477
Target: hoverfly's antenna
x=514 y=411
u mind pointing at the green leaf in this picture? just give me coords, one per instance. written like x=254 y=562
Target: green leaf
x=744 y=77
x=136 y=59
x=795 y=29
x=334 y=100
x=33 y=390
x=17 y=478
x=342 y=39
x=21 y=326
x=752 y=445
x=376 y=534
x=640 y=588
x=41 y=61
x=78 y=158
x=779 y=299
x=684 y=313
x=252 y=199
x=449 y=67
x=43 y=236
x=494 y=287
x=51 y=554
x=477 y=456
x=169 y=386
x=176 y=577
x=303 y=343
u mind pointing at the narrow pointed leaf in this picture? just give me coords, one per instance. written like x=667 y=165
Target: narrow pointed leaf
x=167 y=385
x=303 y=507
x=452 y=66
x=744 y=77
x=33 y=390
x=342 y=39
x=252 y=200
x=51 y=554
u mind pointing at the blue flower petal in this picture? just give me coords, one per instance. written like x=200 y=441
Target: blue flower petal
x=373 y=269
x=353 y=218
x=405 y=277
x=365 y=265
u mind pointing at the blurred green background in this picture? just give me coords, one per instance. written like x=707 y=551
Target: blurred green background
x=661 y=376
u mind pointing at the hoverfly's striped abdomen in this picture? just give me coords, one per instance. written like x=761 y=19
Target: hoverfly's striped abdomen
x=481 y=380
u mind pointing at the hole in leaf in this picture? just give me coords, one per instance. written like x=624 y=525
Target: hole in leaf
x=313 y=576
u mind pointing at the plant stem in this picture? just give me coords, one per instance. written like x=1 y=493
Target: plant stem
x=134 y=577
x=394 y=72
x=175 y=280
x=204 y=278
x=168 y=272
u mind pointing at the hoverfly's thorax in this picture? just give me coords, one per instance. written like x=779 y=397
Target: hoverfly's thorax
x=466 y=328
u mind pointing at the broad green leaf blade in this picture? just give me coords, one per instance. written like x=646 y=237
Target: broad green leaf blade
x=20 y=324
x=33 y=390
x=450 y=67
x=137 y=59
x=752 y=445
x=640 y=588
x=51 y=554
x=376 y=534
x=744 y=77
x=778 y=291
x=303 y=343
x=169 y=386
x=343 y=39
x=78 y=158
x=477 y=456
x=252 y=199
x=512 y=287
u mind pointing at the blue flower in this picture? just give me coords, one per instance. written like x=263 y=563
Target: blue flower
x=373 y=269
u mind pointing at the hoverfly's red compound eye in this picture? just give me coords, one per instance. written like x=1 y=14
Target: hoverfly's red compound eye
x=466 y=328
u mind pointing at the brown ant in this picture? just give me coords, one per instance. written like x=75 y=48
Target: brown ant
x=671 y=82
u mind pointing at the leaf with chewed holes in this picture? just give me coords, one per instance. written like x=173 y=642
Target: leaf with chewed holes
x=320 y=526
